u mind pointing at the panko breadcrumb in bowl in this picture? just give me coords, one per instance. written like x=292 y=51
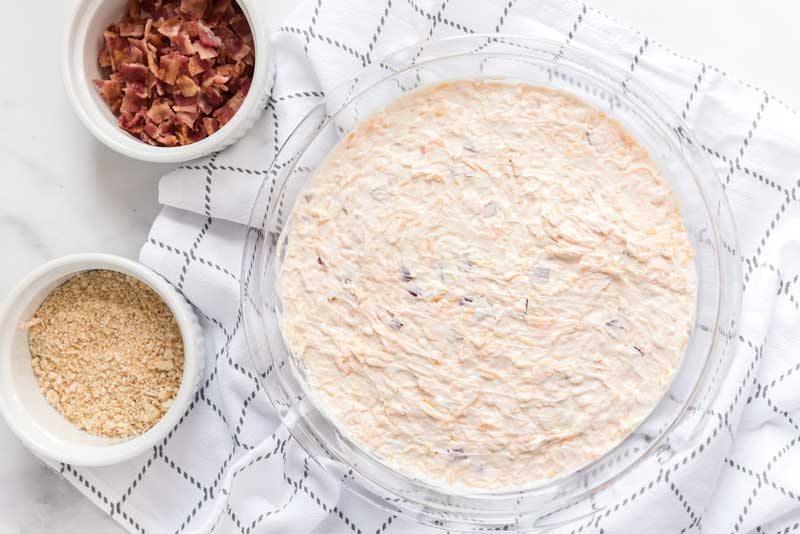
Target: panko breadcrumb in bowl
x=107 y=353
x=99 y=358
x=490 y=283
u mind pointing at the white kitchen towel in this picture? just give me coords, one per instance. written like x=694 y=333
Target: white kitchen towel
x=230 y=466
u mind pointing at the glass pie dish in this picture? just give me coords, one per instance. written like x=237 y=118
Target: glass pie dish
x=674 y=151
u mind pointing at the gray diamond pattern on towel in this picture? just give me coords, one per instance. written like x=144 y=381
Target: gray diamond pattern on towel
x=230 y=467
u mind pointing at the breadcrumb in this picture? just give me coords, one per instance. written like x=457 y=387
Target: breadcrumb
x=107 y=353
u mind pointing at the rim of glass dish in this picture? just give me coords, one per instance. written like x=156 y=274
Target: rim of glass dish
x=637 y=94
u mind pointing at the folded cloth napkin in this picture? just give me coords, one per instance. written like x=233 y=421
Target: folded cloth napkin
x=230 y=466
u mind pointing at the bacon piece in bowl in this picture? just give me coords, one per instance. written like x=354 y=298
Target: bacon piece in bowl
x=176 y=71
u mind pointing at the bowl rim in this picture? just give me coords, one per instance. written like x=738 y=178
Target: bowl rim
x=63 y=268
x=664 y=112
x=87 y=104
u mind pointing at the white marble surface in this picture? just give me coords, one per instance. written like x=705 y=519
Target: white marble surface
x=62 y=192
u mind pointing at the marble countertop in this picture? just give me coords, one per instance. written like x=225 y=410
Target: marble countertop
x=63 y=192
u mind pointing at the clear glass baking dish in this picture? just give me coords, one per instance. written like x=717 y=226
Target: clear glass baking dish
x=706 y=216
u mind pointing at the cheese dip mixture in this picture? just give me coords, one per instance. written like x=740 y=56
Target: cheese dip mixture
x=489 y=284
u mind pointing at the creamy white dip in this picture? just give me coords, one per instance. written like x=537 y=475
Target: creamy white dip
x=489 y=284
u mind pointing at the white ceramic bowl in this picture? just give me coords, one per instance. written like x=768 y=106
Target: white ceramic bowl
x=25 y=408
x=84 y=40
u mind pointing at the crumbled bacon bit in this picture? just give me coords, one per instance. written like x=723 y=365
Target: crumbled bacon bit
x=104 y=59
x=187 y=86
x=207 y=36
x=133 y=122
x=133 y=72
x=131 y=29
x=132 y=103
x=210 y=125
x=218 y=10
x=170 y=29
x=137 y=89
x=177 y=70
x=167 y=11
x=192 y=29
x=133 y=54
x=204 y=52
x=205 y=106
x=213 y=96
x=169 y=140
x=242 y=29
x=226 y=112
x=115 y=46
x=184 y=45
x=183 y=103
x=170 y=68
x=194 y=8
x=160 y=111
x=197 y=65
x=151 y=129
x=186 y=118
x=214 y=78
x=110 y=90
x=187 y=135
